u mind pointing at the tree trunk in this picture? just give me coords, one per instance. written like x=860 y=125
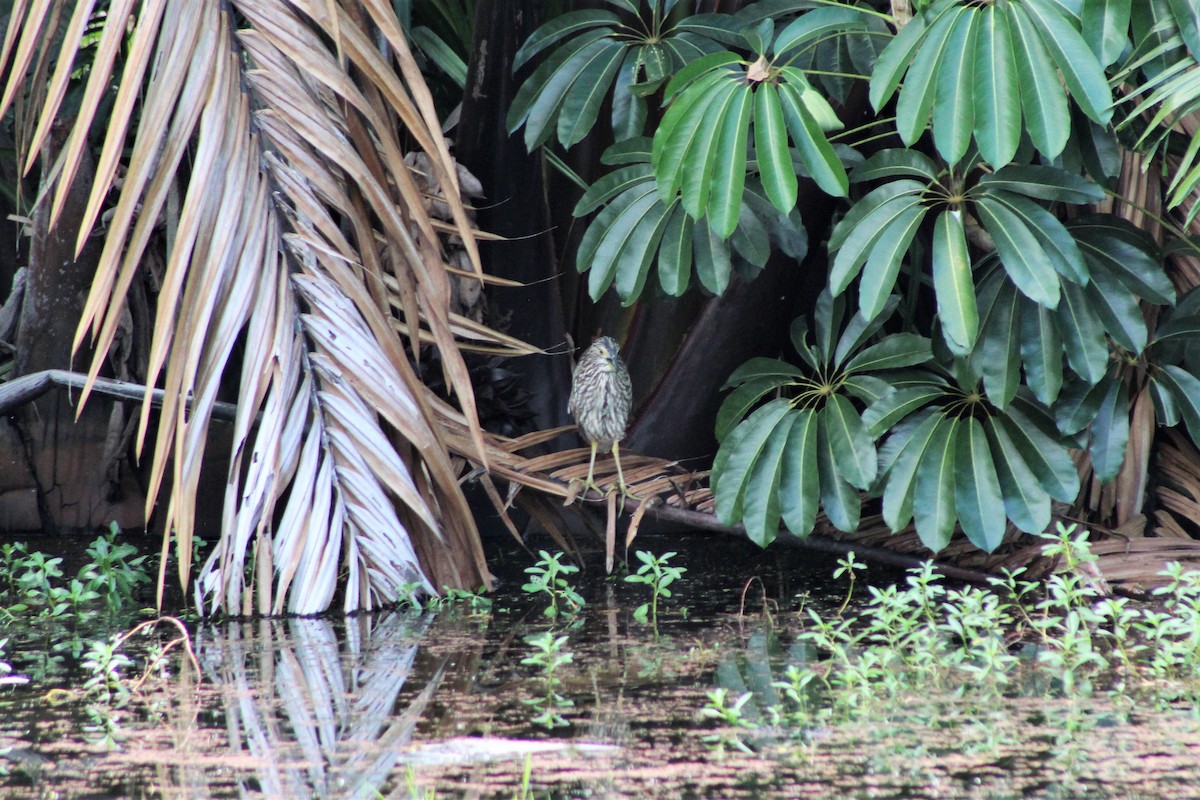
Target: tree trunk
x=63 y=474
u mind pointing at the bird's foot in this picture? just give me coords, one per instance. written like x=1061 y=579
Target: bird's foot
x=579 y=488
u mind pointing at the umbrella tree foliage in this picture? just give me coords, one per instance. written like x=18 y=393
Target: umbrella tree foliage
x=986 y=326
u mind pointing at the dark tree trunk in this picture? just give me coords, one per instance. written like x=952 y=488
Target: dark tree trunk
x=62 y=474
x=516 y=207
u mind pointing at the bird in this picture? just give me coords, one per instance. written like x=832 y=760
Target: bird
x=600 y=401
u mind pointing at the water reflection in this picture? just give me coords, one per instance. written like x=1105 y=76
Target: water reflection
x=318 y=712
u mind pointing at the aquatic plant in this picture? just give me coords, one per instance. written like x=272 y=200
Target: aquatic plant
x=116 y=570
x=921 y=639
x=730 y=716
x=658 y=575
x=549 y=578
x=550 y=653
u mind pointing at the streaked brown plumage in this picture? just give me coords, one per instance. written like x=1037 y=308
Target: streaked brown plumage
x=601 y=397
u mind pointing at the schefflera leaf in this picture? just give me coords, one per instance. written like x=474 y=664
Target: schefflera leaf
x=979 y=69
x=700 y=151
x=808 y=446
x=960 y=460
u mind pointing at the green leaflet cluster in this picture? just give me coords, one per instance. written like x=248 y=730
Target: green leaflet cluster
x=1008 y=324
x=979 y=69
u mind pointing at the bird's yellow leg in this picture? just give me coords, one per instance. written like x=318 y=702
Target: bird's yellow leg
x=622 y=486
x=590 y=483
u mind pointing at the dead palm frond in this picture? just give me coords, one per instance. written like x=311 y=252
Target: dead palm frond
x=283 y=127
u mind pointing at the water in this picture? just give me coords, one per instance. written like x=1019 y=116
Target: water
x=436 y=704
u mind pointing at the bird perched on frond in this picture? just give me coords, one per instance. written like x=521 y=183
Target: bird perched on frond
x=601 y=397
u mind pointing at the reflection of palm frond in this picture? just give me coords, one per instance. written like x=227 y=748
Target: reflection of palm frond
x=284 y=131
x=316 y=710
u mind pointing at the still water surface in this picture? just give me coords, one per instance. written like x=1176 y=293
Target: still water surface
x=410 y=704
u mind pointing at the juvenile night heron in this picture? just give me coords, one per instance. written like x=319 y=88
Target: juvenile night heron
x=601 y=396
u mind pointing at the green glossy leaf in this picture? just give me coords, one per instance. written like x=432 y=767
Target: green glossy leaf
x=1042 y=352
x=1127 y=253
x=1166 y=410
x=1044 y=183
x=954 y=111
x=637 y=150
x=900 y=485
x=721 y=28
x=736 y=457
x=561 y=27
x=1083 y=334
x=1185 y=391
x=704 y=68
x=953 y=284
x=853 y=449
x=978 y=499
x=894 y=60
x=628 y=107
x=1078 y=404
x=1042 y=97
x=867 y=388
x=997 y=352
x=812 y=100
x=1022 y=255
x=1025 y=502
x=704 y=155
x=581 y=104
x=610 y=186
x=684 y=122
x=1082 y=73
x=712 y=258
x=1057 y=242
x=841 y=501
x=816 y=153
x=861 y=328
x=771 y=149
x=818 y=24
x=1117 y=309
x=933 y=506
x=799 y=482
x=675 y=252
x=1187 y=17
x=537 y=102
x=1110 y=431
x=742 y=399
x=603 y=267
x=762 y=367
x=883 y=262
x=1106 y=28
x=893 y=163
x=1048 y=460
x=917 y=97
x=1183 y=321
x=633 y=262
x=750 y=238
x=827 y=321
x=889 y=410
x=798 y=332
x=761 y=509
x=858 y=212
x=997 y=93
x=603 y=224
x=896 y=351
x=729 y=165
x=890 y=219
